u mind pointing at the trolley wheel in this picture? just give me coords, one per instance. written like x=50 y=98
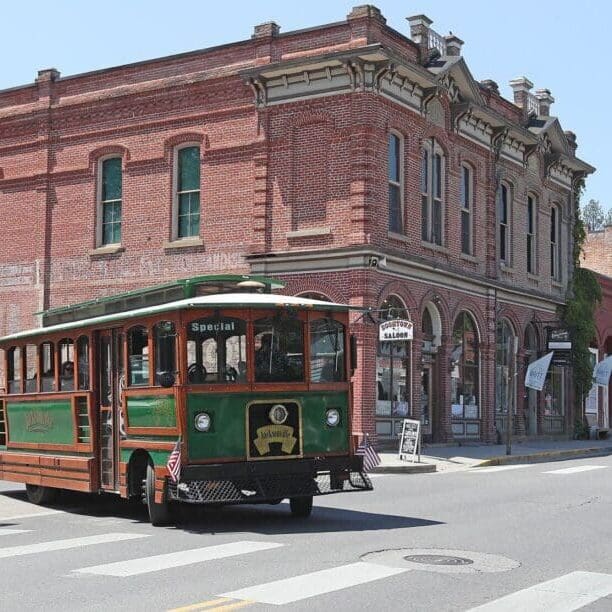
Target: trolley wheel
x=301 y=507
x=40 y=495
x=159 y=513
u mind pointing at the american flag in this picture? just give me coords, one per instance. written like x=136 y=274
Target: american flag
x=370 y=457
x=174 y=462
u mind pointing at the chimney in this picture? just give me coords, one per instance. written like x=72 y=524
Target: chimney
x=521 y=88
x=366 y=10
x=45 y=82
x=571 y=140
x=266 y=30
x=419 y=32
x=545 y=101
x=491 y=85
x=453 y=45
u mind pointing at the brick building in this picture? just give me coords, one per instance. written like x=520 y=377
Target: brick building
x=349 y=160
x=597 y=253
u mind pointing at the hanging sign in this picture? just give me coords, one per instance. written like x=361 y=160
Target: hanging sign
x=395 y=329
x=410 y=440
x=536 y=372
x=559 y=340
x=601 y=372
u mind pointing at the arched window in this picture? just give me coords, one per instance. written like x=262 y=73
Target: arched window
x=109 y=201
x=432 y=193
x=327 y=351
x=504 y=371
x=138 y=356
x=392 y=373
x=465 y=368
x=216 y=351
x=164 y=337
x=396 y=181
x=186 y=200
x=314 y=295
x=504 y=225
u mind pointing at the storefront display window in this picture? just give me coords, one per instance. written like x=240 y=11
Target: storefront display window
x=464 y=363
x=504 y=367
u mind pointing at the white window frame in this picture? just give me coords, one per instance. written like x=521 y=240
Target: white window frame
x=531 y=247
x=467 y=211
x=507 y=243
x=399 y=185
x=100 y=203
x=432 y=149
x=175 y=193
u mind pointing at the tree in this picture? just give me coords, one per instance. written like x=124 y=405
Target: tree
x=593 y=215
x=608 y=220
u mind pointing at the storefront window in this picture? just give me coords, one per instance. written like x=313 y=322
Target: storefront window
x=464 y=364
x=504 y=370
x=392 y=374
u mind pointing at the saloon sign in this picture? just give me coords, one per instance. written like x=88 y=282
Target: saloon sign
x=396 y=329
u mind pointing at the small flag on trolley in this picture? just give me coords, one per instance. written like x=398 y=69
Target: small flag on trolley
x=370 y=457
x=174 y=462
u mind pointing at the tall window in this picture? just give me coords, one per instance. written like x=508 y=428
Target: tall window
x=432 y=182
x=464 y=361
x=466 y=210
x=531 y=235
x=504 y=372
x=138 y=356
x=503 y=216
x=395 y=183
x=187 y=199
x=110 y=201
x=554 y=243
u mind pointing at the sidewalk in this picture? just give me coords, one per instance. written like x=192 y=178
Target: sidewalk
x=460 y=457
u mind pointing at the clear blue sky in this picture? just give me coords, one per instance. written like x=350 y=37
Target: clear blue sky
x=561 y=45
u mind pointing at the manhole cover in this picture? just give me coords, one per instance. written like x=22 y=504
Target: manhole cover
x=438 y=560
x=441 y=560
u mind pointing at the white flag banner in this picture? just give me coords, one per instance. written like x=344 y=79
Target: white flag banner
x=601 y=372
x=536 y=372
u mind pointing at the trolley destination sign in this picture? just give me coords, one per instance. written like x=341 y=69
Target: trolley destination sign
x=396 y=329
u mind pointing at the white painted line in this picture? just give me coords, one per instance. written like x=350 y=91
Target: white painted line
x=497 y=468
x=30 y=549
x=12 y=517
x=4 y=531
x=286 y=591
x=575 y=470
x=564 y=594
x=157 y=563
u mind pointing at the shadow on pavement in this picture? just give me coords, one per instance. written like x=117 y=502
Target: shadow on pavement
x=264 y=518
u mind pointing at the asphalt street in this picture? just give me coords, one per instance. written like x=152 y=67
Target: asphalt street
x=516 y=537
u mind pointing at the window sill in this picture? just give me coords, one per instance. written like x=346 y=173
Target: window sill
x=432 y=246
x=308 y=233
x=507 y=269
x=557 y=284
x=398 y=237
x=183 y=243
x=533 y=277
x=109 y=249
x=469 y=258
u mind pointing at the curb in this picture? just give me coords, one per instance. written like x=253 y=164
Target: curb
x=546 y=456
x=425 y=468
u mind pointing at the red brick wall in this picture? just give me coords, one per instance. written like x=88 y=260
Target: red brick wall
x=597 y=253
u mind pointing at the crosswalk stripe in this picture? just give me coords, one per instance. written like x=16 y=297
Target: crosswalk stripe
x=289 y=590
x=156 y=563
x=105 y=538
x=575 y=470
x=497 y=468
x=4 y=531
x=13 y=517
x=564 y=594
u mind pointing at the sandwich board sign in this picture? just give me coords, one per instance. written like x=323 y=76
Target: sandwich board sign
x=410 y=440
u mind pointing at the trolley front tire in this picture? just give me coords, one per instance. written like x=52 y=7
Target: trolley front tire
x=40 y=495
x=159 y=513
x=301 y=507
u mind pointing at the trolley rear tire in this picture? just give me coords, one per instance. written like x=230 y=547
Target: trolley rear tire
x=301 y=507
x=40 y=495
x=159 y=513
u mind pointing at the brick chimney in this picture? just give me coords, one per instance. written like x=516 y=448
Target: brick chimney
x=453 y=45
x=366 y=10
x=266 y=30
x=419 y=32
x=545 y=101
x=521 y=88
x=45 y=80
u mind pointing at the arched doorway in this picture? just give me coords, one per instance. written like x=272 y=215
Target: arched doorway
x=530 y=407
x=465 y=378
x=393 y=371
x=505 y=368
x=431 y=329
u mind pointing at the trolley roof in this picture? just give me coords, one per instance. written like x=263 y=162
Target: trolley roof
x=222 y=300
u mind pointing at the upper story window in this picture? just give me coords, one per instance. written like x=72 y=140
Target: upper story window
x=109 y=230
x=555 y=226
x=432 y=194
x=467 y=199
x=504 y=208
x=395 y=184
x=186 y=222
x=531 y=234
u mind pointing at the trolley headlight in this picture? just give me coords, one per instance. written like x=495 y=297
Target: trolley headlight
x=202 y=421
x=332 y=417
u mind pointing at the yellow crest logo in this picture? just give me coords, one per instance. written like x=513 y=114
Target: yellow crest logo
x=269 y=434
x=38 y=421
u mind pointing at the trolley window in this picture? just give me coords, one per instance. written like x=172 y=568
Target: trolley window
x=14 y=370
x=83 y=362
x=138 y=356
x=47 y=366
x=279 y=350
x=164 y=336
x=326 y=351
x=65 y=349
x=30 y=368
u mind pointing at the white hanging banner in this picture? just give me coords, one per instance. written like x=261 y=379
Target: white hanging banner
x=536 y=372
x=601 y=372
